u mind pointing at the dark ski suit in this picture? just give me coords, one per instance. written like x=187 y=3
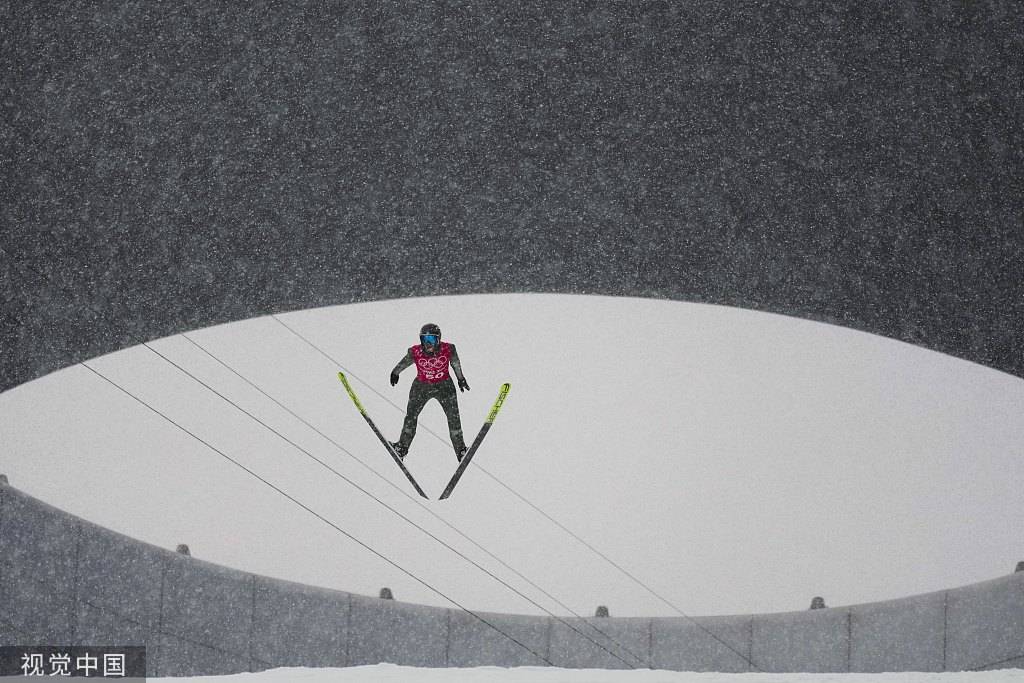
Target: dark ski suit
x=423 y=391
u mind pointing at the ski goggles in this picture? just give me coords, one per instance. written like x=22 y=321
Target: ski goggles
x=431 y=339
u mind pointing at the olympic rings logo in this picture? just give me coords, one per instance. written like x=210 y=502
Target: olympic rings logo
x=436 y=363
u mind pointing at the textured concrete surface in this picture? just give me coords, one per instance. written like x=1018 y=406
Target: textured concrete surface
x=474 y=644
x=702 y=644
x=623 y=643
x=66 y=581
x=281 y=633
x=816 y=641
x=984 y=623
x=167 y=166
x=397 y=632
x=920 y=620
x=38 y=569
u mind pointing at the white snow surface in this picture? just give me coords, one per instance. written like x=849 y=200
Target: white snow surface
x=387 y=673
x=736 y=462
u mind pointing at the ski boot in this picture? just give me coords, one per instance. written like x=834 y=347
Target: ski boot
x=460 y=453
x=400 y=450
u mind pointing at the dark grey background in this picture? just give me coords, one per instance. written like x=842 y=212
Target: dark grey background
x=166 y=166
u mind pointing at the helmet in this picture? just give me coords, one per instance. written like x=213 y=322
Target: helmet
x=430 y=337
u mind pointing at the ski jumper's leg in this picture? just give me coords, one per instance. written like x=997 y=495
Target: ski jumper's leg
x=449 y=400
x=419 y=394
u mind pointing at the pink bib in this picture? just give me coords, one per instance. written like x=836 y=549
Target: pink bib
x=432 y=369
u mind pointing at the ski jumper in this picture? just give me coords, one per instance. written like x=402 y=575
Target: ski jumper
x=433 y=381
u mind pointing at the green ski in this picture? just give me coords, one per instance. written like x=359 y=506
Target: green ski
x=391 y=451
x=476 y=443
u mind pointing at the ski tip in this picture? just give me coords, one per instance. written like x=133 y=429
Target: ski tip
x=499 y=402
x=351 y=393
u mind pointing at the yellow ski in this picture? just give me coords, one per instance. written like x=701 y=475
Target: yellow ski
x=391 y=451
x=476 y=442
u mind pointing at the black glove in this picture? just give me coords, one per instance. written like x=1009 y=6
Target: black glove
x=394 y=378
x=463 y=384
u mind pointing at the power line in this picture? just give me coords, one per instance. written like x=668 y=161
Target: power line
x=382 y=503
x=316 y=514
x=350 y=482
x=680 y=612
x=535 y=507
x=405 y=493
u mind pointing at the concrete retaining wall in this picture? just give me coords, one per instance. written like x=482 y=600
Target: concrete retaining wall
x=65 y=581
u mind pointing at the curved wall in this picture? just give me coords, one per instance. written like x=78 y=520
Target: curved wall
x=168 y=166
x=65 y=581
